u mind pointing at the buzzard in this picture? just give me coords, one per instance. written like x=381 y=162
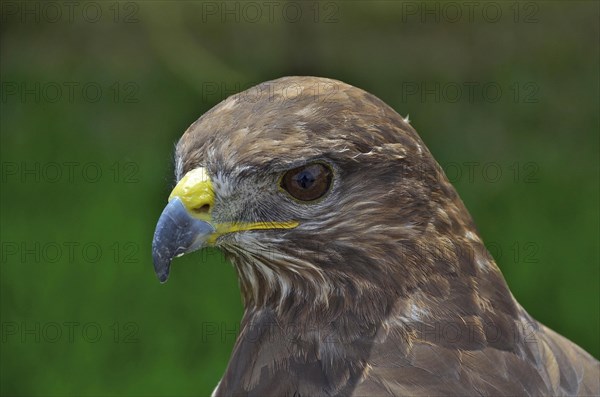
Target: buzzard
x=361 y=270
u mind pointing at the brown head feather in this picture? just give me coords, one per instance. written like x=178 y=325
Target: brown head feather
x=389 y=263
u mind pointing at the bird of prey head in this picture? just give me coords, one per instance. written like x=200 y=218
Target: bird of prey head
x=361 y=271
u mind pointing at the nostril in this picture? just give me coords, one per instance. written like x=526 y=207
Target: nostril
x=203 y=209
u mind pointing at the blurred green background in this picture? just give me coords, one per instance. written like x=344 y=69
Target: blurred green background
x=94 y=96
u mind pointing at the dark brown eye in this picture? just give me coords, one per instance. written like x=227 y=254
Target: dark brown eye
x=308 y=182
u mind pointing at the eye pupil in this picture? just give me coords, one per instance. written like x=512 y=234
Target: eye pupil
x=305 y=179
x=308 y=182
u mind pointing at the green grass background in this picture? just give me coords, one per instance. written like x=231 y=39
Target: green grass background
x=158 y=339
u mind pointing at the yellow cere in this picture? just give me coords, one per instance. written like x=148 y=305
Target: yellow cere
x=195 y=191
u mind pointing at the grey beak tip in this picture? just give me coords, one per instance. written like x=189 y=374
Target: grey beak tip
x=163 y=277
x=162 y=267
x=177 y=233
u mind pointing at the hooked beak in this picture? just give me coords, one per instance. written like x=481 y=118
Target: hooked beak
x=186 y=224
x=176 y=233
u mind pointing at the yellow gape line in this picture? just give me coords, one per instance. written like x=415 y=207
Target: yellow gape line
x=196 y=192
x=226 y=228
